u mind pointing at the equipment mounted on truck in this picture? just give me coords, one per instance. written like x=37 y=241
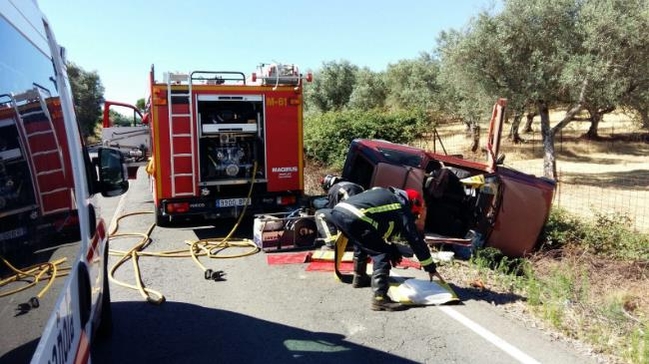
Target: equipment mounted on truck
x=221 y=141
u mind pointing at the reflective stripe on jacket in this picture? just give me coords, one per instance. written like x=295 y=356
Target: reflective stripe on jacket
x=383 y=211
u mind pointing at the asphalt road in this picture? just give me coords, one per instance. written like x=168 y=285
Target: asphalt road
x=265 y=313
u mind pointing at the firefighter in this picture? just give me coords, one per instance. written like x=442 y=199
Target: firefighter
x=337 y=190
x=370 y=220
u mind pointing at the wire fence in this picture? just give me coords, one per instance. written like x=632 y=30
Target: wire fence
x=591 y=199
x=605 y=177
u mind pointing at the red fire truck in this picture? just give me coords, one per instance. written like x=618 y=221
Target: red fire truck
x=33 y=145
x=222 y=140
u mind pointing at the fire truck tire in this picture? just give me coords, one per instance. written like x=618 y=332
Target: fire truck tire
x=105 y=328
x=162 y=221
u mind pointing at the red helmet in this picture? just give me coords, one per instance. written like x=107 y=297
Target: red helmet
x=416 y=202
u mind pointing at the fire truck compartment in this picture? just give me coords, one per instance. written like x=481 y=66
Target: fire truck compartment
x=231 y=138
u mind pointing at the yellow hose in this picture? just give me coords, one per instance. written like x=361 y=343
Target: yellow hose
x=211 y=248
x=38 y=272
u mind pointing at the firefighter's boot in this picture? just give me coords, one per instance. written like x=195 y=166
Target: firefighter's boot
x=361 y=278
x=380 y=300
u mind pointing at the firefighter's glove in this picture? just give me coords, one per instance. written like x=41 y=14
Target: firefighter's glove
x=394 y=255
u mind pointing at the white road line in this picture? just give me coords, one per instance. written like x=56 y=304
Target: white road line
x=489 y=336
x=486 y=334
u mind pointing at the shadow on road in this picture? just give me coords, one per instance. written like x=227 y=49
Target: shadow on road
x=483 y=294
x=185 y=333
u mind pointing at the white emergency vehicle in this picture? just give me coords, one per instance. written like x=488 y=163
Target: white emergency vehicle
x=54 y=295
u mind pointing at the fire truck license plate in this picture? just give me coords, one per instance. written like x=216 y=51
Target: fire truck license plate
x=230 y=202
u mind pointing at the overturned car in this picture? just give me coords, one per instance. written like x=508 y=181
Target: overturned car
x=468 y=204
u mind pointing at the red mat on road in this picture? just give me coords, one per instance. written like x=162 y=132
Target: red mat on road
x=323 y=265
x=345 y=267
x=288 y=258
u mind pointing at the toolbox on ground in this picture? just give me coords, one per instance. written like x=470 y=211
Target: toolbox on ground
x=285 y=231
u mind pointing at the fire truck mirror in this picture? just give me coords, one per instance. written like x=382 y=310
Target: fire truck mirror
x=113 y=176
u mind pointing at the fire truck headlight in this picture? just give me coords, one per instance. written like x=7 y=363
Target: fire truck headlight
x=232 y=170
x=205 y=192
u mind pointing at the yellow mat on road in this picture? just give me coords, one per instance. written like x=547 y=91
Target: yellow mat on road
x=330 y=256
x=422 y=292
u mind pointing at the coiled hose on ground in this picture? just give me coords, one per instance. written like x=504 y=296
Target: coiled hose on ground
x=212 y=248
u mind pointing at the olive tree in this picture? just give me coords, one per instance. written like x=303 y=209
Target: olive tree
x=369 y=91
x=88 y=95
x=332 y=86
x=543 y=53
x=614 y=56
x=413 y=83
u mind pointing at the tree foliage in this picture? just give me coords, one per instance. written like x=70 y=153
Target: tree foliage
x=328 y=135
x=141 y=105
x=369 y=91
x=88 y=95
x=332 y=86
x=118 y=119
x=413 y=83
x=541 y=55
x=617 y=56
x=570 y=54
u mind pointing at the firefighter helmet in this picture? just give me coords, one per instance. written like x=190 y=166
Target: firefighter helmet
x=416 y=202
x=410 y=198
x=328 y=181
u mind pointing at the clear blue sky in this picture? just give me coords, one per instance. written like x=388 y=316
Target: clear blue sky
x=121 y=39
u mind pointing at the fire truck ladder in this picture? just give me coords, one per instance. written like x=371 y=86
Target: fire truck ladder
x=181 y=130
x=45 y=150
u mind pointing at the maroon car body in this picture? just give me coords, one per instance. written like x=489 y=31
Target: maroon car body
x=468 y=203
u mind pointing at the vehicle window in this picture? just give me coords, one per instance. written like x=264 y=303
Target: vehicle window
x=361 y=171
x=38 y=217
x=21 y=63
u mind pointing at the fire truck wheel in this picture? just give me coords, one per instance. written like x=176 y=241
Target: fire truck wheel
x=162 y=221
x=105 y=328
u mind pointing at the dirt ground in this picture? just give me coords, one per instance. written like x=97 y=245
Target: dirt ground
x=621 y=151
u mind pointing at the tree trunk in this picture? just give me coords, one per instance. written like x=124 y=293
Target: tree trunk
x=475 y=134
x=597 y=115
x=528 y=122
x=549 y=160
x=595 y=118
x=513 y=130
x=645 y=119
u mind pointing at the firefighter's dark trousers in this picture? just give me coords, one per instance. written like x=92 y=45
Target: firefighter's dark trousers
x=366 y=241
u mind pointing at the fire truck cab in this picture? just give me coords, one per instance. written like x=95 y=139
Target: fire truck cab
x=222 y=141
x=128 y=133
